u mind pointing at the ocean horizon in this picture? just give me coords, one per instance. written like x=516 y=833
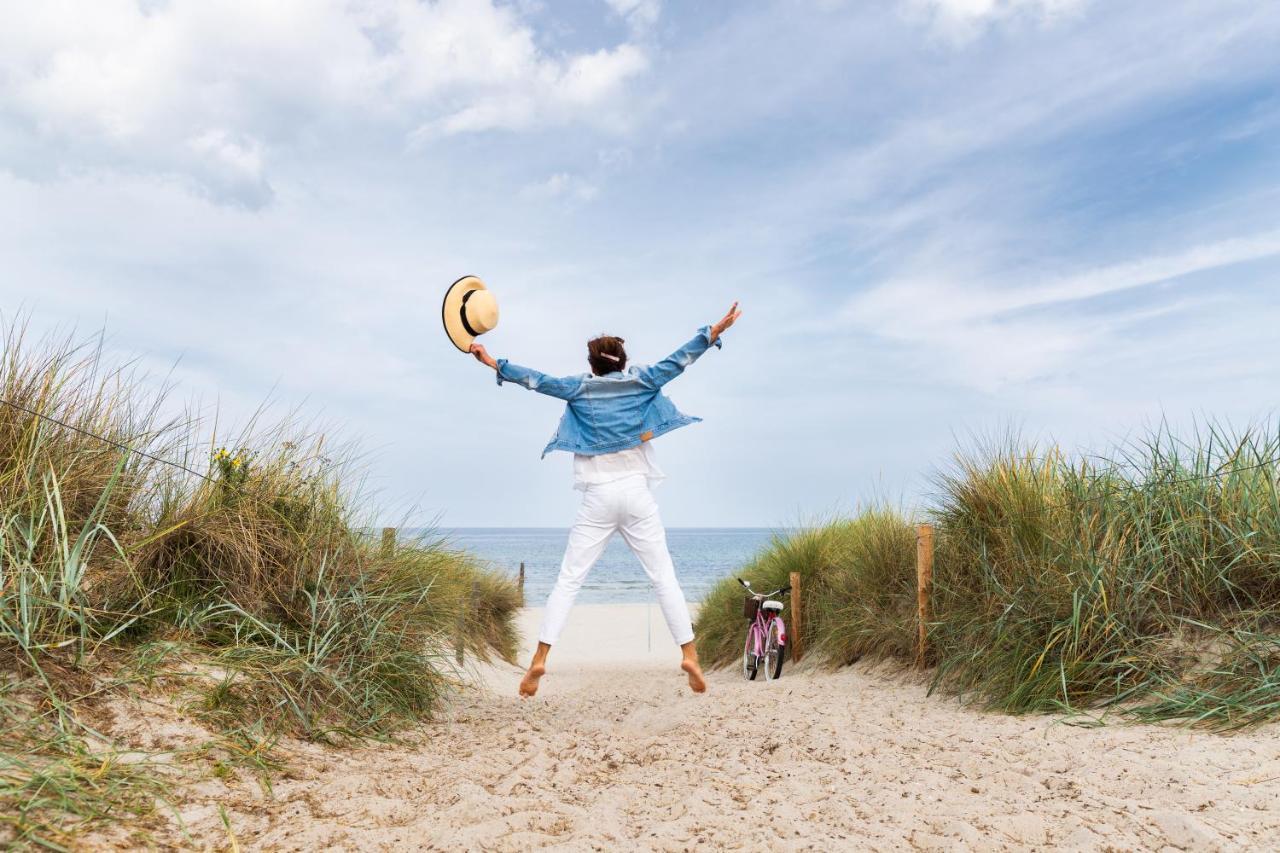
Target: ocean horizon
x=702 y=556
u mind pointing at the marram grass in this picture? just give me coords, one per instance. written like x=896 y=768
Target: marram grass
x=858 y=580
x=253 y=565
x=1146 y=582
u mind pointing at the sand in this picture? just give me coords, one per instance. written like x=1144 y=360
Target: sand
x=606 y=634
x=616 y=753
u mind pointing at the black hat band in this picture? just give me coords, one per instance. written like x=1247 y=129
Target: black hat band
x=462 y=314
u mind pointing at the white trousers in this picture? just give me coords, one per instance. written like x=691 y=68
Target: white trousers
x=625 y=506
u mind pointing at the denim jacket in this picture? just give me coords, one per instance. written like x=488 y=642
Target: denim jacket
x=615 y=411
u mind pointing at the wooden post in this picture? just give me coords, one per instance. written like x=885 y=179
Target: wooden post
x=924 y=582
x=388 y=541
x=795 y=640
x=522 y=583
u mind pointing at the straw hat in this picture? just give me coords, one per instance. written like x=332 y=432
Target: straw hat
x=469 y=311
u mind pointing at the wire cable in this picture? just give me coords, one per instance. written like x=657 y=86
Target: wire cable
x=105 y=440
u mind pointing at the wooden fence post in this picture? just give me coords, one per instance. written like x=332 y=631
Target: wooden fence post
x=924 y=582
x=388 y=541
x=796 y=641
x=522 y=583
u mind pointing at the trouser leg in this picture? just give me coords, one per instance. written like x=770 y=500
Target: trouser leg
x=587 y=540
x=642 y=528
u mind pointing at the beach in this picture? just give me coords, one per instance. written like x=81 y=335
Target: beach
x=599 y=634
x=616 y=753
x=342 y=337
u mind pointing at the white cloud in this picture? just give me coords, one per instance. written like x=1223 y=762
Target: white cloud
x=232 y=166
x=982 y=335
x=557 y=93
x=209 y=88
x=562 y=185
x=640 y=15
x=961 y=20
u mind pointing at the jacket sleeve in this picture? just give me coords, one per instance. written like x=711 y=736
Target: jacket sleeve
x=563 y=387
x=657 y=375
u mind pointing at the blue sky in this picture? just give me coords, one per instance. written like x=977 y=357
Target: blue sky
x=943 y=218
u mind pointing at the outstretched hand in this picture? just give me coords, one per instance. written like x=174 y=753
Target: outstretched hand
x=482 y=356
x=725 y=322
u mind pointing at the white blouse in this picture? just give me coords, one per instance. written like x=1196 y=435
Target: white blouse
x=607 y=467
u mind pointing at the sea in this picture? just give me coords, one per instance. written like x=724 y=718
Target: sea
x=702 y=556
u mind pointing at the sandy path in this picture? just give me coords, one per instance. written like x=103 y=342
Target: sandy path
x=624 y=757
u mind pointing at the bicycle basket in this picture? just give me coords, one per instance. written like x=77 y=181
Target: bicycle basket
x=751 y=607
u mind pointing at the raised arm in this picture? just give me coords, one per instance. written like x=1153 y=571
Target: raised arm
x=563 y=387
x=657 y=375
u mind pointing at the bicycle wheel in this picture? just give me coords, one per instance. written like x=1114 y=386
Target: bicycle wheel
x=774 y=652
x=750 y=664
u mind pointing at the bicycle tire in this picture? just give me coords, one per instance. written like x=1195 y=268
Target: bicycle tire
x=750 y=665
x=774 y=652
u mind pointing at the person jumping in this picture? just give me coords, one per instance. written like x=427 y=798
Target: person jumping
x=613 y=415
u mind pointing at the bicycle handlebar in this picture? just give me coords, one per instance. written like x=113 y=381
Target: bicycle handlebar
x=782 y=590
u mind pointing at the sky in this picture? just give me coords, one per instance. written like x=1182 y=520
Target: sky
x=945 y=220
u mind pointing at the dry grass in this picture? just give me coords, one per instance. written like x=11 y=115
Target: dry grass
x=858 y=580
x=256 y=563
x=1064 y=584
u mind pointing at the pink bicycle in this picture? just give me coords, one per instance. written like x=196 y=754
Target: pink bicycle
x=766 y=636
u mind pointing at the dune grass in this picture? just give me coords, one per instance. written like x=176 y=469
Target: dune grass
x=858 y=579
x=248 y=578
x=1148 y=580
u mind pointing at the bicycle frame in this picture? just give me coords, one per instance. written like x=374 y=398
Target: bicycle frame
x=759 y=630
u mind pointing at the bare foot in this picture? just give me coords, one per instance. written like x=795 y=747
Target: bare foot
x=529 y=684
x=696 y=682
